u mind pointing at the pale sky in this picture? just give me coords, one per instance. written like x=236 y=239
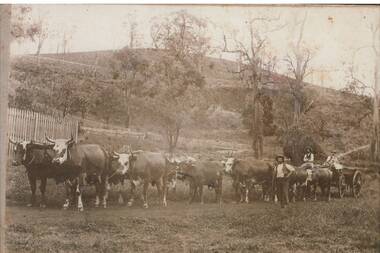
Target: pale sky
x=333 y=33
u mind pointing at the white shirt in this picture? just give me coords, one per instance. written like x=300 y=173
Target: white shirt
x=280 y=172
x=308 y=159
x=333 y=160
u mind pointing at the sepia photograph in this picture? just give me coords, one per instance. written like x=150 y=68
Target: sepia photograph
x=189 y=128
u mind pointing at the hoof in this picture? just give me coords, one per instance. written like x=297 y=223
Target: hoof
x=29 y=205
x=145 y=206
x=80 y=209
x=130 y=203
x=42 y=206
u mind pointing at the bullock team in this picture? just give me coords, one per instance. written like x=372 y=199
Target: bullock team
x=77 y=165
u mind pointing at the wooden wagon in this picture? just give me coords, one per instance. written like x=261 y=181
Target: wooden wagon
x=353 y=180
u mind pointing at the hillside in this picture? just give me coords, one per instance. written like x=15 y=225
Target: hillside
x=334 y=113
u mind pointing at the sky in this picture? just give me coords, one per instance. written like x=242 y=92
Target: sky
x=335 y=34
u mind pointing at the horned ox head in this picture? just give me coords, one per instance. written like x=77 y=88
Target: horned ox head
x=19 y=151
x=60 y=148
x=229 y=163
x=124 y=160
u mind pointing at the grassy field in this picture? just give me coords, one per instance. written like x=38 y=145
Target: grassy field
x=342 y=225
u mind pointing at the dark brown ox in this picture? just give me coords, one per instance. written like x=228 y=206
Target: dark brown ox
x=246 y=173
x=201 y=173
x=321 y=177
x=88 y=161
x=144 y=167
x=36 y=159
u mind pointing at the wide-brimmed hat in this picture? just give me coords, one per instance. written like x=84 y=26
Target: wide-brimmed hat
x=308 y=148
x=280 y=157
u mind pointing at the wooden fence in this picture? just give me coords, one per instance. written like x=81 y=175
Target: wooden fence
x=26 y=125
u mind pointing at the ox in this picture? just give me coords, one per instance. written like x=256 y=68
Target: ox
x=143 y=167
x=87 y=161
x=201 y=173
x=36 y=159
x=246 y=173
x=321 y=177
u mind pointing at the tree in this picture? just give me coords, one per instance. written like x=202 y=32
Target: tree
x=130 y=70
x=41 y=34
x=131 y=25
x=22 y=25
x=360 y=91
x=256 y=70
x=181 y=42
x=375 y=145
x=107 y=102
x=298 y=64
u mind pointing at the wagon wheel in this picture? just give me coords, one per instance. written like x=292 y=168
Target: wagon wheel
x=341 y=185
x=357 y=183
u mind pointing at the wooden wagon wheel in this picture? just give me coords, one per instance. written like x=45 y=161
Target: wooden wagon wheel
x=356 y=183
x=341 y=185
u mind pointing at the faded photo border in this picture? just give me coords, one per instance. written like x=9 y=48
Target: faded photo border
x=5 y=64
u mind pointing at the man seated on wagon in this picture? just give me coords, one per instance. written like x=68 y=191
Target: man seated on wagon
x=308 y=164
x=333 y=162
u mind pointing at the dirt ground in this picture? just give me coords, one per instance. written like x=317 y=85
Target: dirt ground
x=342 y=225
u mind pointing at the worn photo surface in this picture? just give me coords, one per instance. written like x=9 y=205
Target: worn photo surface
x=193 y=128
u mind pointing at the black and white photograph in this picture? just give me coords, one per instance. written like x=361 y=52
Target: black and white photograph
x=189 y=128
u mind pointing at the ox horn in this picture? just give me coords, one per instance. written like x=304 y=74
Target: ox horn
x=12 y=141
x=130 y=149
x=71 y=141
x=115 y=154
x=48 y=139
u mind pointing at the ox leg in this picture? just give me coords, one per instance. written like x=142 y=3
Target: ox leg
x=192 y=192
x=164 y=189
x=120 y=192
x=218 y=191
x=246 y=195
x=132 y=193
x=293 y=190
x=200 y=187
x=33 y=186
x=80 y=202
x=328 y=192
x=145 y=193
x=79 y=190
x=159 y=187
x=104 y=190
x=236 y=187
x=42 y=190
x=68 y=195
x=97 y=198
x=165 y=193
x=241 y=192
x=315 y=192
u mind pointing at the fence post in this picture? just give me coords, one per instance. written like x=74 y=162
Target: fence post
x=76 y=131
x=35 y=126
x=5 y=37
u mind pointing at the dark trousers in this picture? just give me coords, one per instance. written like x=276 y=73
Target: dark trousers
x=282 y=187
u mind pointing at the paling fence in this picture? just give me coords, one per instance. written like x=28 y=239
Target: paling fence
x=27 y=125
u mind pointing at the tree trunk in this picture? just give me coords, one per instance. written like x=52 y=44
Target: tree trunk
x=39 y=47
x=127 y=97
x=375 y=147
x=297 y=111
x=257 y=129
